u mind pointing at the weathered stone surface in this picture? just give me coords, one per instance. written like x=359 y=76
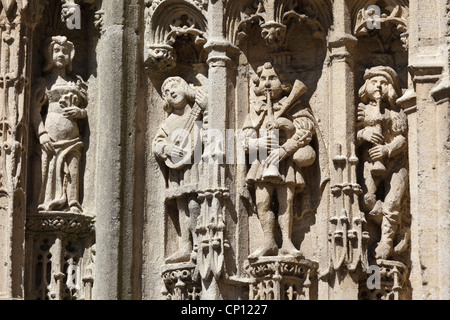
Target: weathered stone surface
x=188 y=150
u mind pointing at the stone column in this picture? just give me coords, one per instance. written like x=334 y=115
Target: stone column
x=347 y=239
x=17 y=22
x=214 y=193
x=117 y=224
x=429 y=162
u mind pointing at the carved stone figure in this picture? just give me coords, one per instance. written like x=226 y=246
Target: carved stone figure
x=58 y=104
x=382 y=135
x=278 y=174
x=175 y=147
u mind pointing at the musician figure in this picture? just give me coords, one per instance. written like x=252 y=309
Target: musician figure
x=174 y=144
x=280 y=173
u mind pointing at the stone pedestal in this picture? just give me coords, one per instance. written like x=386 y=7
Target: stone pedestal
x=181 y=282
x=393 y=282
x=281 y=278
x=60 y=256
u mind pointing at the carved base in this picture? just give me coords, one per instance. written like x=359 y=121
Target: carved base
x=181 y=282
x=56 y=221
x=393 y=282
x=61 y=254
x=281 y=278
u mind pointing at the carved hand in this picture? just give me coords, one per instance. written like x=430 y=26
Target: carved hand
x=47 y=144
x=379 y=152
x=276 y=156
x=268 y=142
x=372 y=136
x=201 y=99
x=73 y=113
x=272 y=125
x=176 y=152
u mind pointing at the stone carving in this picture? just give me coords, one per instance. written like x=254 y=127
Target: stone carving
x=393 y=282
x=71 y=12
x=261 y=223
x=382 y=136
x=99 y=20
x=184 y=22
x=58 y=266
x=57 y=130
x=347 y=234
x=153 y=4
x=18 y=20
x=54 y=222
x=281 y=278
x=274 y=18
x=181 y=282
x=176 y=148
x=280 y=172
x=383 y=22
x=161 y=58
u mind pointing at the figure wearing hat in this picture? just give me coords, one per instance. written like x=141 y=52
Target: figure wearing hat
x=382 y=137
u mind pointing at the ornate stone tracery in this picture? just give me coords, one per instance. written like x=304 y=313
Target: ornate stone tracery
x=185 y=21
x=276 y=19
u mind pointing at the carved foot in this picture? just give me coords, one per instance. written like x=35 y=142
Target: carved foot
x=75 y=207
x=183 y=255
x=268 y=250
x=376 y=213
x=43 y=207
x=383 y=250
x=288 y=249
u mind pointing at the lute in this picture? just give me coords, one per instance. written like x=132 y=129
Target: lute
x=181 y=140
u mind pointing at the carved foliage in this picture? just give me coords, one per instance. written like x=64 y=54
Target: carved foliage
x=55 y=222
x=385 y=20
x=275 y=18
x=168 y=21
x=393 y=284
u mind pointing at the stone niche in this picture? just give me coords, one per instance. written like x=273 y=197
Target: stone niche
x=238 y=149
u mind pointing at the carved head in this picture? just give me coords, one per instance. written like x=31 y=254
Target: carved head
x=59 y=54
x=381 y=83
x=274 y=33
x=269 y=82
x=177 y=93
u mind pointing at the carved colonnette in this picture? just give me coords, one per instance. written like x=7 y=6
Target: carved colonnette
x=18 y=20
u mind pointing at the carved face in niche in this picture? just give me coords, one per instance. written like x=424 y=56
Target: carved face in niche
x=377 y=88
x=61 y=55
x=175 y=93
x=269 y=82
